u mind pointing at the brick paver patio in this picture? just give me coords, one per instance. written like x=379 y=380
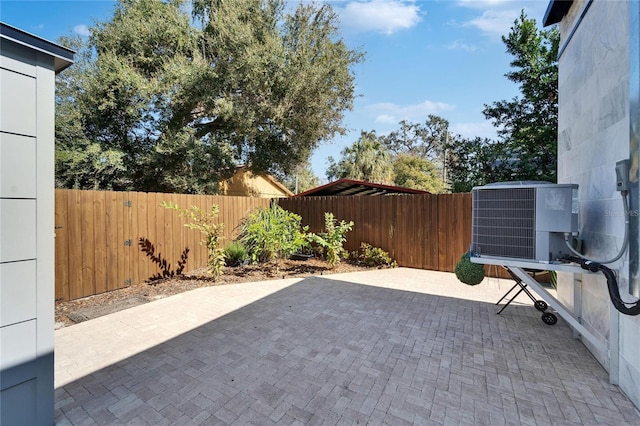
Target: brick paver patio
x=395 y=347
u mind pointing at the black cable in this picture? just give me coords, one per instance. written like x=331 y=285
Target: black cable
x=612 y=286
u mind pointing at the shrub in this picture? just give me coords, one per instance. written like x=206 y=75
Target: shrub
x=331 y=241
x=375 y=256
x=235 y=254
x=207 y=224
x=468 y=272
x=272 y=233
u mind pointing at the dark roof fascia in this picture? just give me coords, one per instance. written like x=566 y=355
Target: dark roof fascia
x=63 y=57
x=357 y=187
x=556 y=11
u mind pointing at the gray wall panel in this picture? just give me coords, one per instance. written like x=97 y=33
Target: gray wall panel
x=17 y=292
x=18 y=178
x=18 y=103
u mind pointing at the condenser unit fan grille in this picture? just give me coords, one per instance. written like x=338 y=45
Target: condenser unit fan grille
x=504 y=222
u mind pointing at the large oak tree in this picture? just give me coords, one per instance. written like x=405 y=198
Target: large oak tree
x=170 y=100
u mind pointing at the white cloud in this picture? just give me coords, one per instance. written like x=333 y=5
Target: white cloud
x=483 y=4
x=494 y=22
x=387 y=112
x=386 y=118
x=385 y=16
x=497 y=16
x=459 y=45
x=82 y=30
x=482 y=129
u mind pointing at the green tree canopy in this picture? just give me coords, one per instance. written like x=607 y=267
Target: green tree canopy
x=367 y=160
x=528 y=124
x=475 y=162
x=175 y=104
x=422 y=140
x=301 y=179
x=417 y=172
x=81 y=162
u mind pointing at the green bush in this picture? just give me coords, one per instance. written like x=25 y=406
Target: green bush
x=331 y=241
x=207 y=224
x=375 y=256
x=235 y=254
x=272 y=233
x=468 y=272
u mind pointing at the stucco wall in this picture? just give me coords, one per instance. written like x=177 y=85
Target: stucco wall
x=593 y=134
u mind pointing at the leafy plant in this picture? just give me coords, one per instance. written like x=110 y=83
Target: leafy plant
x=375 y=256
x=468 y=272
x=235 y=254
x=272 y=233
x=553 y=279
x=149 y=249
x=332 y=239
x=207 y=224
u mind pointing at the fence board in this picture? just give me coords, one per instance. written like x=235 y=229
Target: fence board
x=418 y=231
x=74 y=228
x=93 y=226
x=61 y=246
x=99 y=242
x=111 y=237
x=142 y=232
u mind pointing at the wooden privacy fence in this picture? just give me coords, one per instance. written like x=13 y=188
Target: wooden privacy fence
x=418 y=231
x=97 y=234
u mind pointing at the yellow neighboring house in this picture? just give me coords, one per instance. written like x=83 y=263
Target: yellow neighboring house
x=244 y=183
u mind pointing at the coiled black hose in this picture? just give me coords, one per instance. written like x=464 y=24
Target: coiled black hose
x=627 y=308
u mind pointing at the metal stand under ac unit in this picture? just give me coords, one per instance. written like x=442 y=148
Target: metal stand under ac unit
x=518 y=269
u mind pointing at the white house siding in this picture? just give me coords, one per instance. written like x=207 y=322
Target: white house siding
x=593 y=134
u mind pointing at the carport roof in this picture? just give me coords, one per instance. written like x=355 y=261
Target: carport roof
x=357 y=187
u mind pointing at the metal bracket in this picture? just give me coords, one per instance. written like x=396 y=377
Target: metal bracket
x=559 y=307
x=127 y=203
x=128 y=282
x=128 y=243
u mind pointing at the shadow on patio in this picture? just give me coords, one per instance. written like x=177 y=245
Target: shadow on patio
x=326 y=351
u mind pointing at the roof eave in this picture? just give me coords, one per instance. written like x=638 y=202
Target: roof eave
x=63 y=57
x=556 y=11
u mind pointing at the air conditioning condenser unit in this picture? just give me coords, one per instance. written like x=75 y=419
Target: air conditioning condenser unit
x=523 y=220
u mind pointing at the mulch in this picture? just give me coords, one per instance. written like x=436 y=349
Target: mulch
x=72 y=312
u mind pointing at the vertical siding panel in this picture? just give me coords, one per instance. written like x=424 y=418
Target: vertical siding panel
x=62 y=245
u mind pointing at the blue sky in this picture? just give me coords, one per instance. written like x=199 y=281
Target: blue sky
x=442 y=57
